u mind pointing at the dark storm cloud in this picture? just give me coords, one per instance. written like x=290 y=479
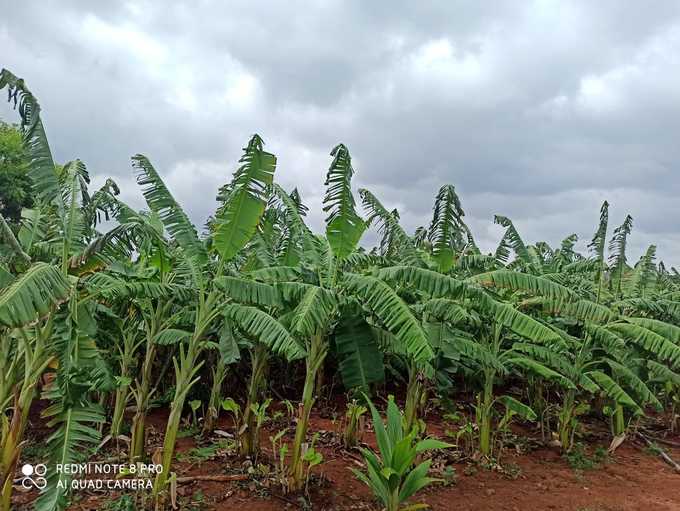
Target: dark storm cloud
x=538 y=111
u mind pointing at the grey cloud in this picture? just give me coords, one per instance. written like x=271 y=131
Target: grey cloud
x=538 y=110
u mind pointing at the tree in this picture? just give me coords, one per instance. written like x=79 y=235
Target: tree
x=15 y=186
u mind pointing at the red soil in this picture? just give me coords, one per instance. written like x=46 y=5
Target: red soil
x=631 y=479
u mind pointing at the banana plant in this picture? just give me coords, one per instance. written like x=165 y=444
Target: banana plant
x=44 y=310
x=448 y=234
x=323 y=296
x=617 y=258
x=229 y=352
x=597 y=247
x=599 y=364
x=267 y=334
x=451 y=242
x=28 y=311
x=106 y=314
x=127 y=357
x=606 y=342
x=469 y=294
x=337 y=292
x=393 y=476
x=236 y=220
x=149 y=293
x=493 y=357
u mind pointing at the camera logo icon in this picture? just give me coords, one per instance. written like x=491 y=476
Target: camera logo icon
x=34 y=476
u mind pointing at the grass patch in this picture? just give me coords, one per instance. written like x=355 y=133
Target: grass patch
x=579 y=459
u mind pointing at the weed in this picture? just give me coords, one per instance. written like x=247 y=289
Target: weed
x=188 y=432
x=122 y=503
x=450 y=476
x=579 y=459
x=200 y=454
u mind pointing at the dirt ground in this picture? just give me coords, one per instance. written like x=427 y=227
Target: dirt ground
x=534 y=477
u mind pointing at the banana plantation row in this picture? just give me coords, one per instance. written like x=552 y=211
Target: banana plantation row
x=97 y=324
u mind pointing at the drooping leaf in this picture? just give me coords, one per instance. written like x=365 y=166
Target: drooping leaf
x=237 y=220
x=68 y=444
x=541 y=371
x=32 y=295
x=433 y=283
x=6 y=277
x=479 y=354
x=629 y=379
x=9 y=238
x=344 y=227
x=661 y=373
x=666 y=330
x=583 y=310
x=547 y=355
x=275 y=274
x=514 y=240
x=109 y=286
x=518 y=281
x=653 y=343
x=599 y=239
x=263 y=328
x=175 y=220
x=313 y=312
x=448 y=310
x=448 y=232
x=392 y=312
x=517 y=407
x=387 y=222
x=171 y=336
x=248 y=291
x=617 y=249
x=227 y=345
x=613 y=390
x=359 y=358
x=520 y=323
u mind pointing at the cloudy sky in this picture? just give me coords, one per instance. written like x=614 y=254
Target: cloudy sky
x=535 y=110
